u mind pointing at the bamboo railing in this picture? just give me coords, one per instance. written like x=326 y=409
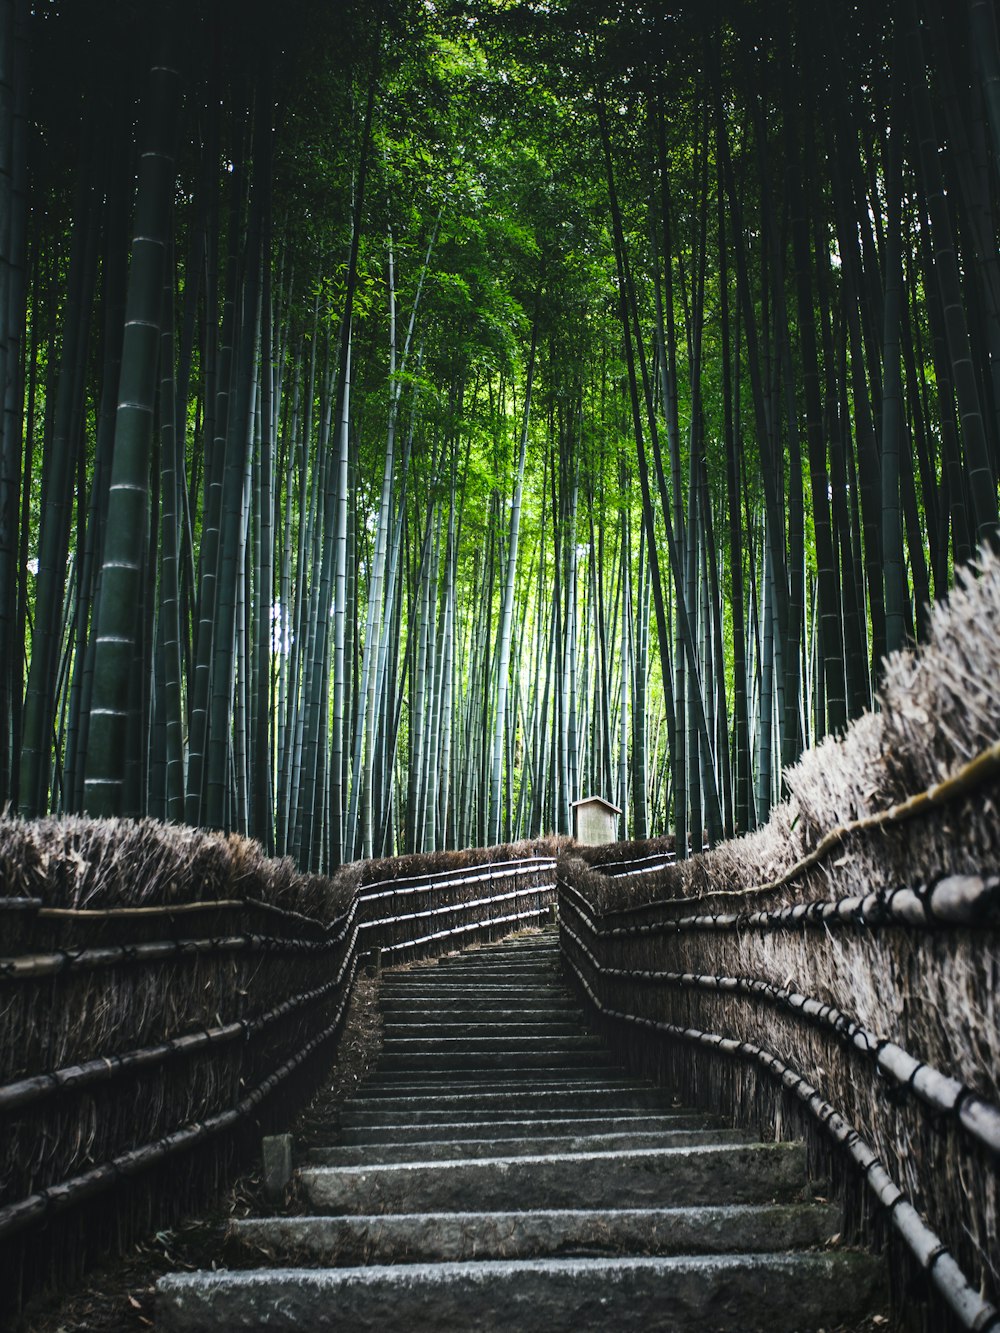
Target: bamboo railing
x=145 y=1049
x=691 y=997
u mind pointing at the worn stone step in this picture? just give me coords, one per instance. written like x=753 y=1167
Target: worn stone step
x=420 y=1028
x=546 y=943
x=492 y=955
x=516 y=960
x=479 y=1012
x=502 y=974
x=486 y=958
x=455 y=1237
x=377 y=1154
x=584 y=1082
x=544 y=997
x=777 y=1293
x=408 y=1083
x=547 y=968
x=503 y=1045
x=538 y=960
x=476 y=1000
x=546 y=1001
x=491 y=1059
x=510 y=1006
x=568 y=1126
x=537 y=963
x=450 y=1112
x=542 y=937
x=570 y=1101
x=534 y=978
x=540 y=984
x=727 y=1173
x=487 y=1084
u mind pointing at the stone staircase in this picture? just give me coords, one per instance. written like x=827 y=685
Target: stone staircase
x=497 y=1171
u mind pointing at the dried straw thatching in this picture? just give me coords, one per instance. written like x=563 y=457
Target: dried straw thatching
x=80 y=863
x=416 y=866
x=909 y=1053
x=167 y=995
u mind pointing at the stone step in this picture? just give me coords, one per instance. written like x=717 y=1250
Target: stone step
x=503 y=1045
x=538 y=961
x=501 y=1058
x=542 y=973
x=775 y=1293
x=570 y=1126
x=475 y=1000
x=454 y=1237
x=491 y=987
x=491 y=956
x=611 y=1101
x=726 y=1173
x=522 y=967
x=485 y=958
x=543 y=937
x=407 y=1083
x=543 y=944
x=419 y=1027
x=543 y=963
x=479 y=1012
x=486 y=1084
x=549 y=999
x=453 y=1149
x=500 y=973
x=487 y=961
x=435 y=1110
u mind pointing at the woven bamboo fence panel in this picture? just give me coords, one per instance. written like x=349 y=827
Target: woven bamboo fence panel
x=146 y=1045
x=867 y=1021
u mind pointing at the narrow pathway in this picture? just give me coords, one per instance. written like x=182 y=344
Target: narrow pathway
x=498 y=1172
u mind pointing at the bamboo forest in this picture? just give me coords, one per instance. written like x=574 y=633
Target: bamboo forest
x=421 y=414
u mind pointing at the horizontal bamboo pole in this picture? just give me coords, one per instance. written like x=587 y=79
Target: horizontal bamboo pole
x=944 y=1095
x=642 y=865
x=344 y=931
x=464 y=930
x=954 y=900
x=105 y=1068
x=17 y=1095
x=466 y=906
x=54 y=1199
x=28 y=967
x=495 y=870
x=139 y=913
x=443 y=878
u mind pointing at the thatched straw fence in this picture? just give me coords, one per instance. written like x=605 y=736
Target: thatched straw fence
x=838 y=973
x=167 y=996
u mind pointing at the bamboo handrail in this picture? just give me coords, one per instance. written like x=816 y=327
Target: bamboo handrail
x=925 y=1245
x=945 y=1095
